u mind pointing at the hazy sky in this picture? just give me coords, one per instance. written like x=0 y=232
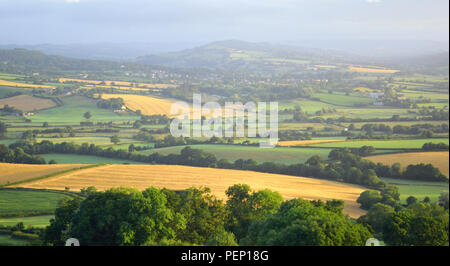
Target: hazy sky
x=121 y=21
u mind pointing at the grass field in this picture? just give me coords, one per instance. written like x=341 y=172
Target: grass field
x=16 y=202
x=83 y=159
x=5 y=91
x=438 y=159
x=101 y=141
x=383 y=144
x=369 y=112
x=73 y=110
x=340 y=99
x=284 y=155
x=418 y=189
x=306 y=105
x=35 y=221
x=11 y=173
x=27 y=103
x=5 y=240
x=218 y=180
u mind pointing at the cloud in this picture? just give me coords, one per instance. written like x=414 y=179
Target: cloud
x=72 y=1
x=373 y=1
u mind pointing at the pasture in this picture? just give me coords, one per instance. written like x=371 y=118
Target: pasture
x=35 y=221
x=218 y=180
x=18 y=202
x=437 y=159
x=340 y=99
x=6 y=240
x=73 y=110
x=283 y=155
x=383 y=144
x=100 y=141
x=27 y=103
x=84 y=159
x=418 y=189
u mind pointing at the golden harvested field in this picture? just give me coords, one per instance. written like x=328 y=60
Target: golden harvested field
x=148 y=105
x=21 y=85
x=10 y=173
x=373 y=70
x=289 y=143
x=218 y=180
x=118 y=83
x=27 y=103
x=438 y=159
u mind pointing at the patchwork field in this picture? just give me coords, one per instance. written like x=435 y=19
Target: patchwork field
x=27 y=103
x=438 y=159
x=218 y=180
x=10 y=173
x=117 y=83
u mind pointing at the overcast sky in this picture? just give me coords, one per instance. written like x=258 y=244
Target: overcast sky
x=122 y=21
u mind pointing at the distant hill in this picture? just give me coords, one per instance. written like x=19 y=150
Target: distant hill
x=103 y=51
x=234 y=54
x=26 y=61
x=240 y=55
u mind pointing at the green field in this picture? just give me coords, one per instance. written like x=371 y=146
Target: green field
x=16 y=202
x=418 y=189
x=5 y=240
x=4 y=91
x=83 y=159
x=369 y=113
x=72 y=111
x=35 y=221
x=7 y=142
x=306 y=105
x=383 y=144
x=284 y=155
x=101 y=141
x=340 y=99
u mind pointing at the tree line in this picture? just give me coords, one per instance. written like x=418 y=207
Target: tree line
x=416 y=223
x=343 y=165
x=125 y=216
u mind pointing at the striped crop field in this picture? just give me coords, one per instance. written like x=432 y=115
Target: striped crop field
x=11 y=173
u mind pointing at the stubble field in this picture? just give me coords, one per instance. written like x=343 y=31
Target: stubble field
x=218 y=180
